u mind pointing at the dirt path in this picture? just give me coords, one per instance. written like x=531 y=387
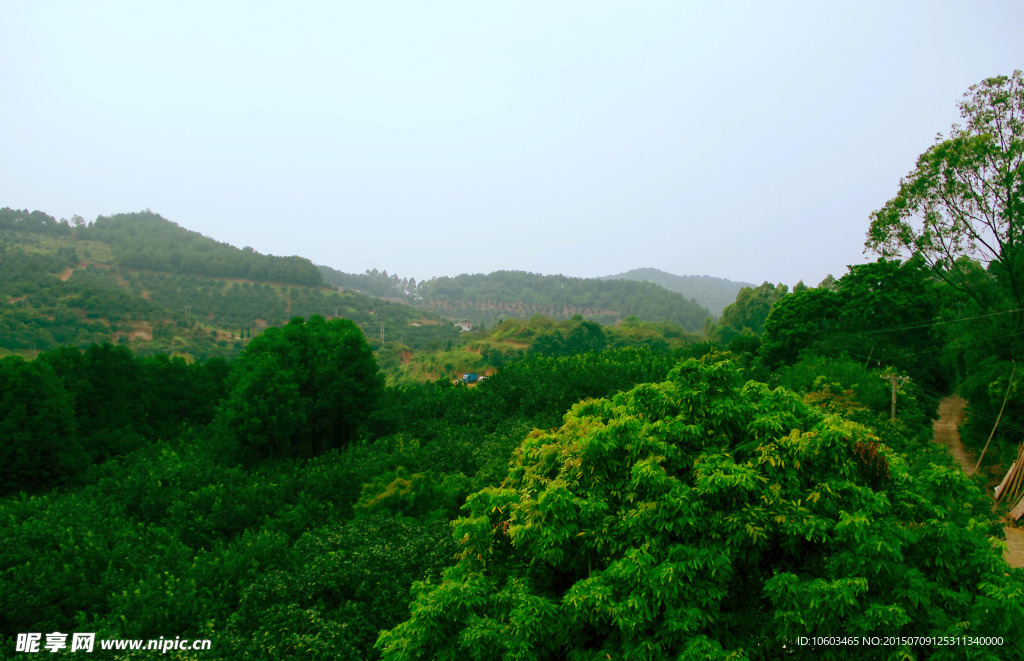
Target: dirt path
x=945 y=430
x=947 y=434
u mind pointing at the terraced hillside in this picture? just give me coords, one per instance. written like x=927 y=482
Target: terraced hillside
x=142 y=280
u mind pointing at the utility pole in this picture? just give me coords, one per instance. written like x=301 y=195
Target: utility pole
x=188 y=314
x=893 y=380
x=382 y=336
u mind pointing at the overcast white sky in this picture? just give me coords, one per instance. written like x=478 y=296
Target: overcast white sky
x=745 y=140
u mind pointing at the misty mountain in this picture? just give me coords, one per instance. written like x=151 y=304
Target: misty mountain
x=710 y=292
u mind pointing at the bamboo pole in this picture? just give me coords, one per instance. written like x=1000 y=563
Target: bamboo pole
x=1014 y=485
x=1002 y=484
x=998 y=418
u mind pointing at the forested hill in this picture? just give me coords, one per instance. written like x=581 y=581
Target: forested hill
x=712 y=293
x=141 y=280
x=519 y=294
x=147 y=241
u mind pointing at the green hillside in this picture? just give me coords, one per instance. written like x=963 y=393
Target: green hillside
x=145 y=241
x=518 y=294
x=712 y=293
x=142 y=280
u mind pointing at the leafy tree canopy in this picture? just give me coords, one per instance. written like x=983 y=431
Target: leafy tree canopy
x=881 y=311
x=302 y=389
x=700 y=518
x=965 y=197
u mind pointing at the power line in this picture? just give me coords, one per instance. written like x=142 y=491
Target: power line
x=934 y=323
x=957 y=346
x=938 y=397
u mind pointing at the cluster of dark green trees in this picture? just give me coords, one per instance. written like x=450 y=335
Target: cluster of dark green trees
x=578 y=335
x=70 y=409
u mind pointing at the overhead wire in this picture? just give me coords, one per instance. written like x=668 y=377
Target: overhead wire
x=933 y=323
x=937 y=396
x=975 y=412
x=958 y=346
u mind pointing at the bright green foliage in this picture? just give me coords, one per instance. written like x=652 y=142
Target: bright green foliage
x=416 y=494
x=38 y=441
x=700 y=518
x=267 y=563
x=302 y=389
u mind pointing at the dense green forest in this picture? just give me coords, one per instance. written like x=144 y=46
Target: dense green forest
x=633 y=491
x=707 y=291
x=486 y=299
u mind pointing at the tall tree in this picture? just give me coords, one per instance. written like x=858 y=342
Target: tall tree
x=302 y=389
x=963 y=201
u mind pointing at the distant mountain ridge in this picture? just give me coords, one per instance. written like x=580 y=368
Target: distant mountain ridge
x=486 y=298
x=709 y=292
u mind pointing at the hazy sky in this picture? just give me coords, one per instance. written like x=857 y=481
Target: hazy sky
x=746 y=140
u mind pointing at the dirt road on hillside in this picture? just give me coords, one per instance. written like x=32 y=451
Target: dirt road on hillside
x=945 y=432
